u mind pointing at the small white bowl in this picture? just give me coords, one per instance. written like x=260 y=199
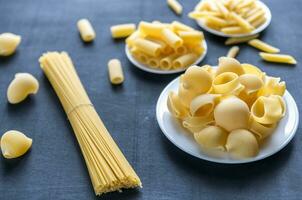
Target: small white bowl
x=184 y=140
x=268 y=17
x=160 y=71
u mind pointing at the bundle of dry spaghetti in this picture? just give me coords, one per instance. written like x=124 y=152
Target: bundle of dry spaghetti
x=108 y=168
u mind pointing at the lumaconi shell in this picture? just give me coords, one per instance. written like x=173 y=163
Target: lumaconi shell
x=211 y=137
x=232 y=113
x=175 y=106
x=9 y=43
x=252 y=83
x=227 y=64
x=242 y=143
x=22 y=85
x=14 y=144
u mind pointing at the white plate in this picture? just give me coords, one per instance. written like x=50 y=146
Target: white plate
x=159 y=71
x=184 y=140
x=268 y=16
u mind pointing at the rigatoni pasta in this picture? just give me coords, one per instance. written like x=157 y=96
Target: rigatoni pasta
x=122 y=30
x=238 y=40
x=115 y=71
x=86 y=30
x=175 y=6
x=166 y=46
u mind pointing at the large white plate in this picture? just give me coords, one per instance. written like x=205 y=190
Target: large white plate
x=184 y=140
x=159 y=71
x=268 y=16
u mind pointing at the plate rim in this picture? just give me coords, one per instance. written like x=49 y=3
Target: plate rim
x=261 y=28
x=157 y=71
x=217 y=160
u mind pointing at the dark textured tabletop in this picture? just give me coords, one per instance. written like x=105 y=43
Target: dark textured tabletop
x=54 y=168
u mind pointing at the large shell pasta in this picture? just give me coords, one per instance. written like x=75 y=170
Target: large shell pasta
x=166 y=46
x=230 y=108
x=230 y=16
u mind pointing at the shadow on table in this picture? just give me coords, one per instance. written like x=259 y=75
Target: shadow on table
x=222 y=172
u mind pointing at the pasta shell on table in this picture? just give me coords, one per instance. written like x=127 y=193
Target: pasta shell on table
x=227 y=64
x=211 y=137
x=242 y=144
x=9 y=42
x=203 y=105
x=261 y=131
x=196 y=124
x=232 y=113
x=272 y=86
x=175 y=106
x=268 y=110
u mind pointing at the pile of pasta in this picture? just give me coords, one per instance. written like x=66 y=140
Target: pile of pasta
x=231 y=108
x=230 y=16
x=166 y=46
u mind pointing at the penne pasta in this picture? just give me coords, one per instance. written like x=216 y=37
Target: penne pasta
x=233 y=52
x=258 y=22
x=222 y=9
x=238 y=40
x=278 y=58
x=263 y=46
x=122 y=30
x=184 y=60
x=175 y=6
x=200 y=14
x=252 y=12
x=86 y=30
x=171 y=38
x=115 y=71
x=241 y=21
x=255 y=16
x=215 y=21
x=148 y=47
x=233 y=30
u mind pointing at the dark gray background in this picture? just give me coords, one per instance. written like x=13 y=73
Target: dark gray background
x=54 y=168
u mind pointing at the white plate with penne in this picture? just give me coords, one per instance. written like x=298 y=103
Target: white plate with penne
x=158 y=70
x=184 y=140
x=257 y=20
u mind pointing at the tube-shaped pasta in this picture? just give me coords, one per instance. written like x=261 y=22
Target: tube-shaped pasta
x=215 y=21
x=131 y=39
x=151 y=29
x=166 y=62
x=212 y=137
x=241 y=21
x=184 y=60
x=241 y=144
x=223 y=10
x=267 y=110
x=86 y=30
x=245 y=4
x=148 y=47
x=225 y=83
x=255 y=16
x=196 y=124
x=175 y=106
x=175 y=6
x=261 y=131
x=122 y=30
x=163 y=46
x=263 y=46
x=178 y=26
x=181 y=50
x=233 y=30
x=227 y=64
x=237 y=40
x=115 y=71
x=153 y=62
x=191 y=37
x=134 y=51
x=171 y=38
x=9 y=43
x=200 y=14
x=143 y=58
x=232 y=53
x=259 y=22
x=278 y=58
x=203 y=105
x=232 y=113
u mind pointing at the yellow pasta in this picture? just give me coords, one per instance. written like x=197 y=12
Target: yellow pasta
x=278 y=58
x=200 y=14
x=171 y=38
x=86 y=30
x=203 y=105
x=181 y=50
x=115 y=71
x=237 y=40
x=148 y=47
x=175 y=106
x=131 y=39
x=272 y=86
x=122 y=30
x=258 y=22
x=212 y=137
x=175 y=6
x=178 y=26
x=108 y=168
x=232 y=53
x=151 y=29
x=255 y=16
x=225 y=83
x=196 y=124
x=184 y=60
x=251 y=69
x=233 y=30
x=191 y=37
x=223 y=10
x=251 y=82
x=215 y=21
x=153 y=62
x=226 y=64
x=9 y=43
x=263 y=46
x=166 y=62
x=241 y=21
x=261 y=131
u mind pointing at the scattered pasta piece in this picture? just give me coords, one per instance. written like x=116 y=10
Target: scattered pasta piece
x=23 y=85
x=115 y=71
x=238 y=40
x=263 y=46
x=86 y=30
x=232 y=53
x=278 y=58
x=175 y=6
x=14 y=144
x=9 y=43
x=122 y=30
